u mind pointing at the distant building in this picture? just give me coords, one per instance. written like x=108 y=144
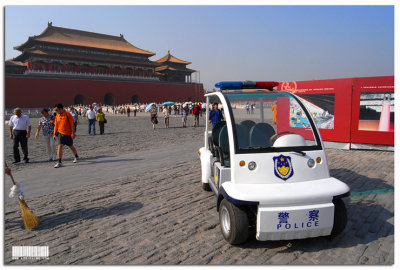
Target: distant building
x=173 y=69
x=88 y=65
x=15 y=67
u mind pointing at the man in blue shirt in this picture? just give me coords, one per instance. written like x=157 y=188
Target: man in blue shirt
x=215 y=115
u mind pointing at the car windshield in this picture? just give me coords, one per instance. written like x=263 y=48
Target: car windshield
x=270 y=120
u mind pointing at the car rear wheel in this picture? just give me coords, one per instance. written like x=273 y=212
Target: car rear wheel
x=234 y=223
x=340 y=218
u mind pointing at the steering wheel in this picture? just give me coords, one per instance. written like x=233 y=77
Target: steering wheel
x=274 y=137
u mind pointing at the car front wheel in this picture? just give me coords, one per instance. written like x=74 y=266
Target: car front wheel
x=234 y=223
x=340 y=218
x=206 y=186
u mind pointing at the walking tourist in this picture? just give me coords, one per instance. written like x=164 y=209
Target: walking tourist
x=185 y=110
x=64 y=126
x=84 y=111
x=46 y=124
x=18 y=124
x=91 y=117
x=215 y=115
x=196 y=112
x=75 y=115
x=166 y=116
x=100 y=116
x=128 y=111
x=153 y=115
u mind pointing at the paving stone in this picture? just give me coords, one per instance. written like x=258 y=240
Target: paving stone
x=164 y=217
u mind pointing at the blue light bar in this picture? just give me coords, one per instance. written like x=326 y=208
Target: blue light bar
x=246 y=85
x=229 y=85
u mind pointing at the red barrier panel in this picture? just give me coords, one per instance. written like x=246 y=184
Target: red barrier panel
x=353 y=110
x=372 y=119
x=284 y=120
x=330 y=103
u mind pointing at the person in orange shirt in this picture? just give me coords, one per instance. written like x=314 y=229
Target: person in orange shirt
x=64 y=126
x=274 y=112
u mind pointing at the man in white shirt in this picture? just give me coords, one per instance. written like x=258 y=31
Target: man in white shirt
x=18 y=124
x=91 y=117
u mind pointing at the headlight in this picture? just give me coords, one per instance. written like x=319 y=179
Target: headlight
x=252 y=165
x=311 y=163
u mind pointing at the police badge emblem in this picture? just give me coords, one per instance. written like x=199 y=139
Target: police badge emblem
x=283 y=168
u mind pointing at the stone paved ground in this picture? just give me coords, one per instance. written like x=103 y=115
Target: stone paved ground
x=164 y=217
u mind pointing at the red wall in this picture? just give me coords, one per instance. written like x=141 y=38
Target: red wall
x=40 y=92
x=347 y=106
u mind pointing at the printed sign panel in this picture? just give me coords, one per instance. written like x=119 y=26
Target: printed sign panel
x=372 y=119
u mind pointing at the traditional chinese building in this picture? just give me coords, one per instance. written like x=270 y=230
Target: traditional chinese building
x=15 y=67
x=71 y=52
x=173 y=69
x=92 y=67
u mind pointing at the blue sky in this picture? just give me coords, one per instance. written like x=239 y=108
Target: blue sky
x=281 y=43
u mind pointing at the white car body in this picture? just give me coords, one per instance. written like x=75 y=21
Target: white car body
x=298 y=207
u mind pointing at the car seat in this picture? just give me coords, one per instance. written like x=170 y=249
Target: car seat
x=215 y=135
x=247 y=124
x=242 y=135
x=260 y=134
x=223 y=148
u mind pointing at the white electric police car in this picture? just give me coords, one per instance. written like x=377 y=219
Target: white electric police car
x=266 y=164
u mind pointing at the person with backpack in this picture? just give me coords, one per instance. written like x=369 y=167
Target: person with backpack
x=100 y=117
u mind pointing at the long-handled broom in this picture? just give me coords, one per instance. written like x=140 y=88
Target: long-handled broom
x=29 y=218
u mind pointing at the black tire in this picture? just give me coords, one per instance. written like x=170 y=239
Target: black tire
x=340 y=218
x=234 y=223
x=206 y=186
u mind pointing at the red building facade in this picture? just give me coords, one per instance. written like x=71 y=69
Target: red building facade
x=33 y=92
x=77 y=67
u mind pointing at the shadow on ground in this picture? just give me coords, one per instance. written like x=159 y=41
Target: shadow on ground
x=49 y=222
x=358 y=182
x=89 y=161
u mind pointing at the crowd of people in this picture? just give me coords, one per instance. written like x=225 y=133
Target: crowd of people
x=195 y=109
x=58 y=126
x=55 y=127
